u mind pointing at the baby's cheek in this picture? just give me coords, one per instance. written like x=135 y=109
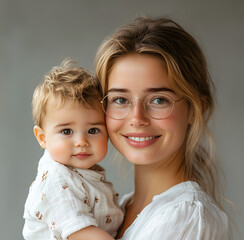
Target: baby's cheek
x=58 y=151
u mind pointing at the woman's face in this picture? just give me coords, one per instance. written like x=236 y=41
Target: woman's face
x=140 y=138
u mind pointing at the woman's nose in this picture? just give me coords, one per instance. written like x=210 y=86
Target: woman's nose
x=138 y=115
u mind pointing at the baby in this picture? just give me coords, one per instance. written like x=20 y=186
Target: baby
x=70 y=197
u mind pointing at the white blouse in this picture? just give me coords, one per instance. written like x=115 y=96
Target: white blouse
x=184 y=211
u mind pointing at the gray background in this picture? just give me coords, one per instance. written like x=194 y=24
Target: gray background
x=35 y=35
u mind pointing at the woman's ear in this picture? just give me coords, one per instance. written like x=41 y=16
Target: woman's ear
x=203 y=108
x=191 y=115
x=204 y=105
x=40 y=136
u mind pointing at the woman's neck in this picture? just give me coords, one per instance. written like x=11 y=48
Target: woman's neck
x=154 y=179
x=151 y=180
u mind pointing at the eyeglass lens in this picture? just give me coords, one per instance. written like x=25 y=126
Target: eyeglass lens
x=156 y=105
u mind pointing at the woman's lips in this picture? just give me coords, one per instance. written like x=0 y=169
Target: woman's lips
x=140 y=140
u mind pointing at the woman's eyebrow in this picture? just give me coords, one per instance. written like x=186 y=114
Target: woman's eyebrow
x=150 y=90
x=124 y=90
x=161 y=89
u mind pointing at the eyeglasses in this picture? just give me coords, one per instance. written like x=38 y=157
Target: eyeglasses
x=156 y=105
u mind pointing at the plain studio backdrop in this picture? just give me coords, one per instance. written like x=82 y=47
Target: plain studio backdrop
x=36 y=35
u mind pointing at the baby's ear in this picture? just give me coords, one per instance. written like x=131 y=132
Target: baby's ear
x=40 y=136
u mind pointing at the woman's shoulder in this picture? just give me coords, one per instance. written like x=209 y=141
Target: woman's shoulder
x=188 y=195
x=187 y=208
x=181 y=199
x=183 y=192
x=186 y=204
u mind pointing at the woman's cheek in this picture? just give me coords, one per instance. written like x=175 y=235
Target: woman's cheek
x=113 y=126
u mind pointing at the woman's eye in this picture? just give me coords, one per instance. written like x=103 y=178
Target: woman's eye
x=159 y=100
x=93 y=131
x=67 y=132
x=120 y=100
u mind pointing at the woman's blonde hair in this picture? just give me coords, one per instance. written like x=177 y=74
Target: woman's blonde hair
x=65 y=82
x=187 y=70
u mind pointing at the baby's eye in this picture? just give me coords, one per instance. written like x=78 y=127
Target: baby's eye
x=67 y=131
x=93 y=131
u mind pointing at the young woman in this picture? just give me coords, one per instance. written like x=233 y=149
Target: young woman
x=158 y=101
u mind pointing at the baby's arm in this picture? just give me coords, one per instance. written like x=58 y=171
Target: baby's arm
x=90 y=233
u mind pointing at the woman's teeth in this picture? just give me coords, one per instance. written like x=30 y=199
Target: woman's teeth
x=141 y=139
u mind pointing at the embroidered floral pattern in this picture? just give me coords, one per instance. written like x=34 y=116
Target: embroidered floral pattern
x=44 y=176
x=86 y=200
x=108 y=219
x=52 y=226
x=80 y=175
x=64 y=186
x=39 y=215
x=74 y=170
x=43 y=196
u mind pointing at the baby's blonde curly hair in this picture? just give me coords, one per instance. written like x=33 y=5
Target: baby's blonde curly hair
x=65 y=82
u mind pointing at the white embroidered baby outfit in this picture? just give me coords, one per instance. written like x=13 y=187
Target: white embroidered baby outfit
x=63 y=200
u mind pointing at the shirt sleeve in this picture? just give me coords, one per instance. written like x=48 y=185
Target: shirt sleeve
x=63 y=204
x=185 y=221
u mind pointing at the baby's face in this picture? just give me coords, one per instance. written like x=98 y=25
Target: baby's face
x=75 y=136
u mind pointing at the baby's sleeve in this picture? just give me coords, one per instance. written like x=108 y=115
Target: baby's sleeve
x=63 y=204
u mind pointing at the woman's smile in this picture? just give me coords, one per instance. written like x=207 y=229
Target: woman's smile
x=140 y=140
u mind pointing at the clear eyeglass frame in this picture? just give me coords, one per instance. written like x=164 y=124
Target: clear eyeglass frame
x=155 y=113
